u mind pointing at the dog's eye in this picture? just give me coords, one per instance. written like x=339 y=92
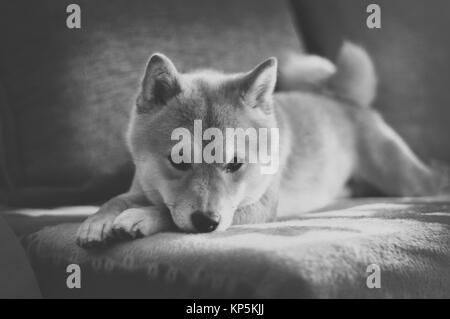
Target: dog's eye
x=233 y=166
x=179 y=166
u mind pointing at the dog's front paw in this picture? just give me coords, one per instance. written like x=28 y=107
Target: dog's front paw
x=95 y=230
x=138 y=222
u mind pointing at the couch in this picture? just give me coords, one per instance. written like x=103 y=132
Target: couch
x=65 y=95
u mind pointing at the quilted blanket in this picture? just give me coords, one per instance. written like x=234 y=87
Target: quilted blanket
x=381 y=248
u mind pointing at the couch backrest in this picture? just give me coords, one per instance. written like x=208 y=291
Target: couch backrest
x=411 y=53
x=65 y=94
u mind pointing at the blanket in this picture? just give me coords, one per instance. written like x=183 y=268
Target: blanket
x=385 y=248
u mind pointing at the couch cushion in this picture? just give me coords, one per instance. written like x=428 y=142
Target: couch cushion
x=24 y=221
x=320 y=255
x=69 y=92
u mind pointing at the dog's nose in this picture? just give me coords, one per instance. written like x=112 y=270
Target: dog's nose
x=205 y=222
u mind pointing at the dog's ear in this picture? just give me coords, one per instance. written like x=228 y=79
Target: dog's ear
x=160 y=81
x=257 y=86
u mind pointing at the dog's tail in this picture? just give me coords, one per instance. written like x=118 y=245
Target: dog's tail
x=300 y=72
x=355 y=78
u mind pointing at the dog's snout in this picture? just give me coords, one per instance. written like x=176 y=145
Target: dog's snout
x=205 y=222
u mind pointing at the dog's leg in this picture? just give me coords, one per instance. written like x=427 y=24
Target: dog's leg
x=97 y=229
x=143 y=221
x=386 y=161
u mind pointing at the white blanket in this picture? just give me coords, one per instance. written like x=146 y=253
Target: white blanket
x=319 y=255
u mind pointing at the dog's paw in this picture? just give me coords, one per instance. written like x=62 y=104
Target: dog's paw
x=95 y=231
x=137 y=222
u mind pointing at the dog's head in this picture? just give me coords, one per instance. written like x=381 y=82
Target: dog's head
x=201 y=195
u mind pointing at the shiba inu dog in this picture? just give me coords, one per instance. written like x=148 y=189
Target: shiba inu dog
x=328 y=134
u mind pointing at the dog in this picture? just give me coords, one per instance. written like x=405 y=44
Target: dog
x=328 y=134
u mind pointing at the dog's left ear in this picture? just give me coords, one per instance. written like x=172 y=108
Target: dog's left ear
x=257 y=86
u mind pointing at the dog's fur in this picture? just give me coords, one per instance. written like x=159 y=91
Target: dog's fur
x=328 y=134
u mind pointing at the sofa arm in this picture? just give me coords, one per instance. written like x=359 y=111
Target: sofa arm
x=17 y=279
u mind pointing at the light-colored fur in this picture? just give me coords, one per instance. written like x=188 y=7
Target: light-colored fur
x=328 y=134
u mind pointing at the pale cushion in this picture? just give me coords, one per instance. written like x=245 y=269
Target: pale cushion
x=317 y=255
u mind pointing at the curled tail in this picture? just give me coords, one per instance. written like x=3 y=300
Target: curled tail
x=355 y=78
x=300 y=71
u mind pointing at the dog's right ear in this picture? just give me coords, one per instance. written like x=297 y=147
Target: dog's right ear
x=257 y=86
x=160 y=81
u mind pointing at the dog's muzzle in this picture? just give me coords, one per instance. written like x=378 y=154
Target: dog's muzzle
x=205 y=222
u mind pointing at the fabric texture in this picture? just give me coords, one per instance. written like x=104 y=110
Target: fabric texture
x=318 y=255
x=70 y=90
